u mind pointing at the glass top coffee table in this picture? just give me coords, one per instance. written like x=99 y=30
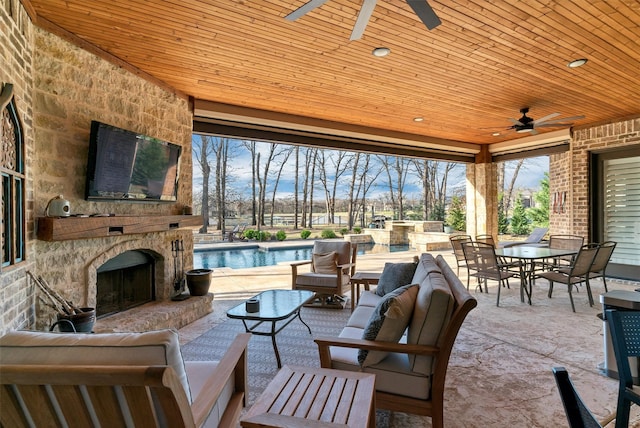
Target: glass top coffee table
x=275 y=305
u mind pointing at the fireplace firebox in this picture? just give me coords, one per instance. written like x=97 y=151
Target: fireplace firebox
x=125 y=281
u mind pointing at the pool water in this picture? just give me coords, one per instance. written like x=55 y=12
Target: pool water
x=259 y=257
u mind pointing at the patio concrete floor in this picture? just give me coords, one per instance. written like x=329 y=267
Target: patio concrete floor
x=500 y=369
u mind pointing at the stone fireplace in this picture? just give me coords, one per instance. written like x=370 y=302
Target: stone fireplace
x=121 y=265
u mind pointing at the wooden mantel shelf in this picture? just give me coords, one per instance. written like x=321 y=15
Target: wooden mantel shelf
x=65 y=228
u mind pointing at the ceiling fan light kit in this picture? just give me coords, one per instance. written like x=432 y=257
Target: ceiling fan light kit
x=420 y=8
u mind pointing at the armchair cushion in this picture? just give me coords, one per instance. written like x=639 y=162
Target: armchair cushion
x=388 y=321
x=395 y=275
x=111 y=349
x=325 y=263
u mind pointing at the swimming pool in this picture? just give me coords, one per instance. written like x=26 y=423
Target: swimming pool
x=258 y=257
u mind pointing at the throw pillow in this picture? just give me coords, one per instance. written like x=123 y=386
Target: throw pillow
x=325 y=263
x=395 y=275
x=388 y=321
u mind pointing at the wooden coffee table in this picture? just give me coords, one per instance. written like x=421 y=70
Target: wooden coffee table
x=314 y=397
x=275 y=306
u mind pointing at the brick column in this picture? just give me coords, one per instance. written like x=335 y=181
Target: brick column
x=482 y=196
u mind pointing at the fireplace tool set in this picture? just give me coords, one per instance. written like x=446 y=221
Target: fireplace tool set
x=179 y=279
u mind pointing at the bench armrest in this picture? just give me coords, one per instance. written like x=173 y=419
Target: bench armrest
x=324 y=343
x=233 y=363
x=300 y=263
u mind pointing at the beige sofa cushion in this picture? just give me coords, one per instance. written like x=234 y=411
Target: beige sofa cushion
x=393 y=374
x=110 y=349
x=388 y=321
x=431 y=314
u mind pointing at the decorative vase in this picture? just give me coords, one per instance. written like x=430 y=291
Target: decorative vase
x=198 y=281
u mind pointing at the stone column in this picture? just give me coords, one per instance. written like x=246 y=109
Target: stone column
x=482 y=196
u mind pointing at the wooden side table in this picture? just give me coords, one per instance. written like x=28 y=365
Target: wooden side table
x=314 y=397
x=362 y=278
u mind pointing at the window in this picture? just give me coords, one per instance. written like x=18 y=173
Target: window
x=616 y=208
x=13 y=180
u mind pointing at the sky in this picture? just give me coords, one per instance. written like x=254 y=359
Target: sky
x=529 y=176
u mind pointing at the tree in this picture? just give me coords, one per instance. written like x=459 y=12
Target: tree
x=221 y=149
x=457 y=217
x=202 y=159
x=519 y=221
x=503 y=222
x=540 y=214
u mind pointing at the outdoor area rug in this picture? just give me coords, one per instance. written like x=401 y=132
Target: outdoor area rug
x=295 y=344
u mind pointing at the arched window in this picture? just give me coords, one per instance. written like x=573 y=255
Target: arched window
x=13 y=180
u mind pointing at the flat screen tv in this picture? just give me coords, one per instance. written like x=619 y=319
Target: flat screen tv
x=127 y=166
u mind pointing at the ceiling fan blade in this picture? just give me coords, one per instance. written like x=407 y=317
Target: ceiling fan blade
x=425 y=13
x=515 y=122
x=545 y=118
x=307 y=7
x=363 y=19
x=553 y=124
x=565 y=119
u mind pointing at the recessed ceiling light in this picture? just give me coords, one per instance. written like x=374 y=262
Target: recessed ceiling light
x=496 y=134
x=577 y=63
x=418 y=119
x=380 y=52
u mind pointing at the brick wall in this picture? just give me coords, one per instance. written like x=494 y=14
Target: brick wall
x=17 y=297
x=569 y=172
x=60 y=90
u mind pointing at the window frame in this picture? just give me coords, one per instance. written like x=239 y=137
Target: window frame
x=13 y=186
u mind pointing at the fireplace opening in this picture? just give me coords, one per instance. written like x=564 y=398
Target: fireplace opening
x=124 y=282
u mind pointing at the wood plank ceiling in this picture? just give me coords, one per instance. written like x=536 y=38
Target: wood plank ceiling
x=466 y=78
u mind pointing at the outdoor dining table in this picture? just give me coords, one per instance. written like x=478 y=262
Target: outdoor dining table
x=528 y=256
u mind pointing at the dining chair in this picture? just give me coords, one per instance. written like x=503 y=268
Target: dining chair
x=483 y=264
x=456 y=244
x=503 y=262
x=564 y=242
x=600 y=263
x=578 y=414
x=486 y=239
x=574 y=274
x=625 y=336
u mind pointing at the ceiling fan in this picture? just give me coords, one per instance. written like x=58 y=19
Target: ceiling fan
x=528 y=124
x=420 y=7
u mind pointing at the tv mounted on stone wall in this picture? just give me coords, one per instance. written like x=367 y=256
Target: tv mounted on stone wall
x=127 y=166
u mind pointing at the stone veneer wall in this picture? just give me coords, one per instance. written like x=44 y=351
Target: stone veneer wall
x=17 y=297
x=70 y=88
x=569 y=172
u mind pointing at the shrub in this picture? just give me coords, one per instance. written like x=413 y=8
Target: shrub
x=250 y=234
x=263 y=236
x=357 y=230
x=328 y=234
x=281 y=235
x=344 y=231
x=305 y=234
